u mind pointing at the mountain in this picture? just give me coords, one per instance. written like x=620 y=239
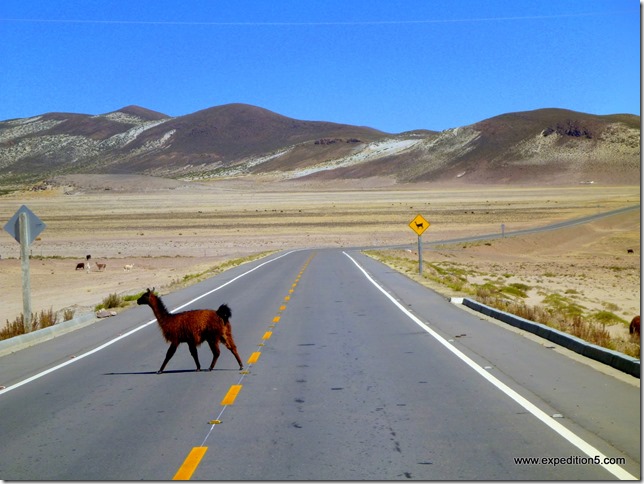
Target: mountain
x=541 y=146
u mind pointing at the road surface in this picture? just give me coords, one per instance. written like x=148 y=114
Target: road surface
x=356 y=372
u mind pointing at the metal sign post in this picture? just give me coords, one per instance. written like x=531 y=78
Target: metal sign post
x=24 y=265
x=25 y=226
x=419 y=225
x=420 y=255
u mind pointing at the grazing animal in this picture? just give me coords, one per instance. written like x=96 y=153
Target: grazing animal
x=630 y=251
x=128 y=267
x=80 y=266
x=635 y=325
x=193 y=327
x=101 y=267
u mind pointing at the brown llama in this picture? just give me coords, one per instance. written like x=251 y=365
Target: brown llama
x=635 y=325
x=193 y=327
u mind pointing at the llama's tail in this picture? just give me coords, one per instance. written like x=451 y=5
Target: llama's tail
x=224 y=313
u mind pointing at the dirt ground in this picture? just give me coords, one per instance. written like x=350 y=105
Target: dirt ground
x=169 y=231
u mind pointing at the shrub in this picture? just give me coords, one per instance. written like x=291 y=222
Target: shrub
x=15 y=328
x=606 y=317
x=46 y=319
x=515 y=290
x=111 y=301
x=132 y=297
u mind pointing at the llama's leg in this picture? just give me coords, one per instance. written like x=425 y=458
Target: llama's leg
x=229 y=342
x=214 y=347
x=168 y=355
x=193 y=352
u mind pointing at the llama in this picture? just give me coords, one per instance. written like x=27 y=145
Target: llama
x=101 y=267
x=193 y=327
x=80 y=266
x=635 y=326
x=128 y=267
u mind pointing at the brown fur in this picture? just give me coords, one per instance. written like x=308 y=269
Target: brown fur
x=193 y=327
x=635 y=325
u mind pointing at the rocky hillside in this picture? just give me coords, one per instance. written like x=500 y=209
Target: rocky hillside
x=542 y=146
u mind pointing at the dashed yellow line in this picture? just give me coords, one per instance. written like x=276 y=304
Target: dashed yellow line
x=229 y=399
x=196 y=454
x=190 y=464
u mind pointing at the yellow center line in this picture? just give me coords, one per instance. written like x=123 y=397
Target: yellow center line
x=229 y=399
x=190 y=464
x=196 y=454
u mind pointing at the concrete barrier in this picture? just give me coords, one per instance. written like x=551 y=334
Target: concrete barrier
x=17 y=343
x=617 y=360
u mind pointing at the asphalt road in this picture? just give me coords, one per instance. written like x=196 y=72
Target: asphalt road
x=357 y=373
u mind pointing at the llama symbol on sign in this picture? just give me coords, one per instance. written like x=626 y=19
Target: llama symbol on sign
x=419 y=224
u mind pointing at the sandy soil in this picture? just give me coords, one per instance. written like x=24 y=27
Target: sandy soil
x=168 y=231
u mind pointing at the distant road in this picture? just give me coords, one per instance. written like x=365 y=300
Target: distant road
x=534 y=230
x=356 y=372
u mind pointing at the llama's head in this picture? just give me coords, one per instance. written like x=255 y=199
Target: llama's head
x=145 y=298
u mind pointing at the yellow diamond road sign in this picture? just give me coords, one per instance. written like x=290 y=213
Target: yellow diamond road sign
x=419 y=224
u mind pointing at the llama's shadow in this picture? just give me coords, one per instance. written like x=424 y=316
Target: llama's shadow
x=166 y=371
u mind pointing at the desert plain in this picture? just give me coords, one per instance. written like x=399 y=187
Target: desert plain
x=172 y=231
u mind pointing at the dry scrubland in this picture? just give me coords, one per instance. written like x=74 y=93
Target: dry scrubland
x=177 y=235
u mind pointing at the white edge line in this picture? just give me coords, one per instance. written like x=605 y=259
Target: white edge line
x=132 y=331
x=570 y=436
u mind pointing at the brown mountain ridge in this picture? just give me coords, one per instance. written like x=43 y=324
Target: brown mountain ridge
x=541 y=146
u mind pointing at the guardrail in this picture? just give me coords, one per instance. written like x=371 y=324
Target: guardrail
x=617 y=360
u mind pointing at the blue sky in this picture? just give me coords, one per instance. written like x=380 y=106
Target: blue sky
x=390 y=65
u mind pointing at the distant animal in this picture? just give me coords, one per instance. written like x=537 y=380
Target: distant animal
x=630 y=251
x=193 y=327
x=635 y=325
x=128 y=267
x=80 y=266
x=101 y=267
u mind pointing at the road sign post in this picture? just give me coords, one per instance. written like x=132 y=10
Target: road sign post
x=420 y=255
x=25 y=226
x=419 y=225
x=24 y=265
